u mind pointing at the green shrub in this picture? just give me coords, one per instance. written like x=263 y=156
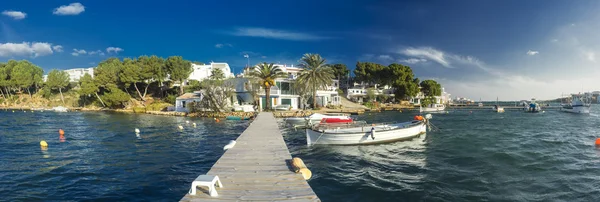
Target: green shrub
x=171 y=99
x=139 y=110
x=158 y=106
x=115 y=98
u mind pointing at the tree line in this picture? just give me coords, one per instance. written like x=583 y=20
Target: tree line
x=114 y=81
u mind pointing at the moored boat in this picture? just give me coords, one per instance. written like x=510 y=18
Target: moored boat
x=580 y=104
x=60 y=109
x=533 y=107
x=358 y=133
x=433 y=108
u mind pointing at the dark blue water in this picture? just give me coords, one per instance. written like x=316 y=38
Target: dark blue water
x=479 y=156
x=102 y=160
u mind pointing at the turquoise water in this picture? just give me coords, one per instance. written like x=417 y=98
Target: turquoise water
x=478 y=156
x=102 y=160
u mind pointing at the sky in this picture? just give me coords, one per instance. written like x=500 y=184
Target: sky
x=509 y=49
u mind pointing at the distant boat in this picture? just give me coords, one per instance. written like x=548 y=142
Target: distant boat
x=497 y=108
x=433 y=108
x=580 y=104
x=60 y=109
x=532 y=107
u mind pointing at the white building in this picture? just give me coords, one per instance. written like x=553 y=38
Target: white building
x=283 y=92
x=443 y=99
x=76 y=74
x=182 y=102
x=358 y=93
x=201 y=72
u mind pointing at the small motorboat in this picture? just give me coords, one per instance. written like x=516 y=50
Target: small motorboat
x=359 y=132
x=301 y=122
x=498 y=109
x=282 y=107
x=533 y=108
x=60 y=109
x=433 y=108
x=579 y=104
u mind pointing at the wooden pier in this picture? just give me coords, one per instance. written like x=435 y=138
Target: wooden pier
x=257 y=168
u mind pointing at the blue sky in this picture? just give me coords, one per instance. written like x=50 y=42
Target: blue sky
x=479 y=49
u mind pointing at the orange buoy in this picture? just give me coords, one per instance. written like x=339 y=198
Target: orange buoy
x=217 y=120
x=61 y=132
x=418 y=118
x=598 y=142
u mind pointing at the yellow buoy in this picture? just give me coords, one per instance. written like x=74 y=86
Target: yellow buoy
x=300 y=167
x=43 y=143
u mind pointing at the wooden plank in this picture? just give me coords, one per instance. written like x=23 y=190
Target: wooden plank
x=256 y=168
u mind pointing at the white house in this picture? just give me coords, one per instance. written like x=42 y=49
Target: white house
x=76 y=74
x=443 y=99
x=181 y=102
x=283 y=92
x=201 y=72
x=358 y=93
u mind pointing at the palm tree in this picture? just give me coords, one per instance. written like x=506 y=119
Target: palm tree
x=316 y=73
x=266 y=73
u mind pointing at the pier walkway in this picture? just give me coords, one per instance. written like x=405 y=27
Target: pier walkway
x=256 y=168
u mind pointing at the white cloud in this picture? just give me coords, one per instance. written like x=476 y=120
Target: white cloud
x=34 y=49
x=554 y=40
x=530 y=52
x=115 y=50
x=591 y=56
x=17 y=15
x=77 y=52
x=99 y=52
x=275 y=34
x=413 y=60
x=71 y=9
x=263 y=57
x=385 y=57
x=221 y=45
x=429 y=54
x=57 y=48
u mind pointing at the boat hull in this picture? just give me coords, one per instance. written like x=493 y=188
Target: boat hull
x=331 y=137
x=577 y=109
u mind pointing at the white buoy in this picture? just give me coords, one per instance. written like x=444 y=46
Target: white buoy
x=188 y=122
x=194 y=124
x=230 y=145
x=180 y=127
x=137 y=130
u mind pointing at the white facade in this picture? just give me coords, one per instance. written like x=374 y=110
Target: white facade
x=201 y=72
x=283 y=93
x=181 y=102
x=75 y=74
x=443 y=99
x=358 y=93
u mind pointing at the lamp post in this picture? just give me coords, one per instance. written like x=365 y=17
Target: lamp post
x=248 y=57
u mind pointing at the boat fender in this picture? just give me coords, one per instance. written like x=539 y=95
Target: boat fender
x=373 y=133
x=230 y=145
x=300 y=167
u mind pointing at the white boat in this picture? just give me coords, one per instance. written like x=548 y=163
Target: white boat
x=60 y=109
x=532 y=107
x=580 y=104
x=300 y=122
x=433 y=108
x=362 y=133
x=282 y=107
x=498 y=109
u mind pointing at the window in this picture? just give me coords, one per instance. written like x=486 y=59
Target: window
x=183 y=104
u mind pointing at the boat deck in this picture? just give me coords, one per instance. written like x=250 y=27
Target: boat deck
x=256 y=168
